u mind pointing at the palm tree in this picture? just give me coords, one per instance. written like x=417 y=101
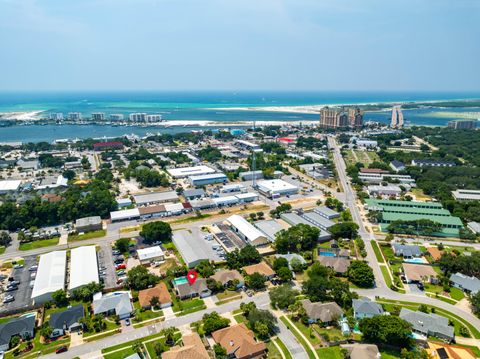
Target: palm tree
x=169 y=334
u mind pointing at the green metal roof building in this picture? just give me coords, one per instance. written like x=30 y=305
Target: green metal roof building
x=411 y=211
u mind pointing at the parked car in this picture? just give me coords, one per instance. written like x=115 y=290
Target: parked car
x=121 y=266
x=8 y=299
x=127 y=322
x=10 y=288
x=18 y=266
x=61 y=349
x=120 y=271
x=33 y=268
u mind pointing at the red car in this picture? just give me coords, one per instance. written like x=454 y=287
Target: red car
x=61 y=349
x=121 y=266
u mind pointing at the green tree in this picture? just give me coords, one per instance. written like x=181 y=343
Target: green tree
x=220 y=352
x=284 y=274
x=279 y=263
x=300 y=237
x=5 y=239
x=139 y=278
x=156 y=232
x=475 y=302
x=122 y=245
x=213 y=322
x=296 y=265
x=60 y=298
x=154 y=301
x=387 y=329
x=205 y=268
x=361 y=274
x=283 y=296
x=344 y=230
x=169 y=334
x=256 y=281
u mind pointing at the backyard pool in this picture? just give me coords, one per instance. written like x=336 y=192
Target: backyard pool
x=416 y=260
x=326 y=254
x=179 y=280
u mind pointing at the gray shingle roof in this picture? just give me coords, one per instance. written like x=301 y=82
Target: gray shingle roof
x=187 y=290
x=14 y=327
x=471 y=284
x=366 y=306
x=66 y=317
x=324 y=312
x=428 y=324
x=406 y=250
x=119 y=302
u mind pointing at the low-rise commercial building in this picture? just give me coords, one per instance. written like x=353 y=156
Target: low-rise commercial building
x=432 y=163
x=276 y=188
x=50 y=276
x=247 y=231
x=270 y=227
x=194 y=248
x=388 y=191
x=184 y=172
x=293 y=219
x=124 y=215
x=9 y=186
x=318 y=221
x=150 y=198
x=326 y=212
x=88 y=224
x=83 y=267
x=203 y=180
x=466 y=195
x=150 y=254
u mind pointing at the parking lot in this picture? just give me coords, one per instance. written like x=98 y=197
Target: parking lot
x=106 y=265
x=24 y=292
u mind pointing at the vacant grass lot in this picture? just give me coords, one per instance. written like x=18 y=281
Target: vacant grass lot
x=88 y=235
x=39 y=244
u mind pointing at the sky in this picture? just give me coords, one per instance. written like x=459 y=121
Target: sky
x=292 y=45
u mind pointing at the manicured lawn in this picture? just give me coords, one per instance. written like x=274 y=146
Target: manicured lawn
x=2 y=249
x=142 y=315
x=39 y=244
x=456 y=293
x=386 y=275
x=122 y=354
x=389 y=354
x=191 y=219
x=283 y=347
x=227 y=296
x=387 y=252
x=88 y=235
x=310 y=354
x=188 y=306
x=330 y=353
x=240 y=318
x=332 y=334
x=273 y=352
x=377 y=251
x=307 y=331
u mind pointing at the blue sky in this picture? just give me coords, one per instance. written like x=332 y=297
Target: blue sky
x=240 y=45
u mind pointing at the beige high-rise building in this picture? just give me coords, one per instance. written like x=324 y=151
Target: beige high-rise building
x=333 y=117
x=355 y=117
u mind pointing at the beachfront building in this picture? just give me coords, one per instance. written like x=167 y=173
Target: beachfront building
x=355 y=117
x=463 y=124
x=98 y=116
x=333 y=117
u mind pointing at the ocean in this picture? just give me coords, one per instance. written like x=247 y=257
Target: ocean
x=202 y=106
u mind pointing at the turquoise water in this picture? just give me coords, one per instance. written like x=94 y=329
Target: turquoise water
x=179 y=280
x=326 y=254
x=415 y=260
x=201 y=106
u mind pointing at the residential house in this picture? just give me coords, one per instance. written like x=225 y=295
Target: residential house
x=67 y=320
x=262 y=268
x=23 y=326
x=197 y=289
x=365 y=308
x=338 y=264
x=192 y=348
x=429 y=325
x=290 y=256
x=406 y=250
x=468 y=284
x=160 y=291
x=435 y=253
x=361 y=351
x=226 y=277
x=239 y=342
x=397 y=166
x=418 y=273
x=116 y=303
x=326 y=313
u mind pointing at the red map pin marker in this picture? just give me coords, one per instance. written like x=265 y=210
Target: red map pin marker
x=192 y=276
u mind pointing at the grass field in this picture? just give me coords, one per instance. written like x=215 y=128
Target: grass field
x=2 y=249
x=378 y=253
x=284 y=349
x=39 y=244
x=188 y=306
x=330 y=353
x=88 y=235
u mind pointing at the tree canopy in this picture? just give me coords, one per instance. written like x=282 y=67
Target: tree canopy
x=386 y=329
x=361 y=274
x=156 y=232
x=300 y=237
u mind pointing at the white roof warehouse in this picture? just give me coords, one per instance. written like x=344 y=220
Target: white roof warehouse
x=9 y=186
x=247 y=231
x=50 y=276
x=276 y=188
x=190 y=171
x=83 y=267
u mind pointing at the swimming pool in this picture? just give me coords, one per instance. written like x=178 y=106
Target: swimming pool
x=179 y=280
x=416 y=260
x=326 y=254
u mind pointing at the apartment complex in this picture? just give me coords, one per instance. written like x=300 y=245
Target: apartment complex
x=463 y=124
